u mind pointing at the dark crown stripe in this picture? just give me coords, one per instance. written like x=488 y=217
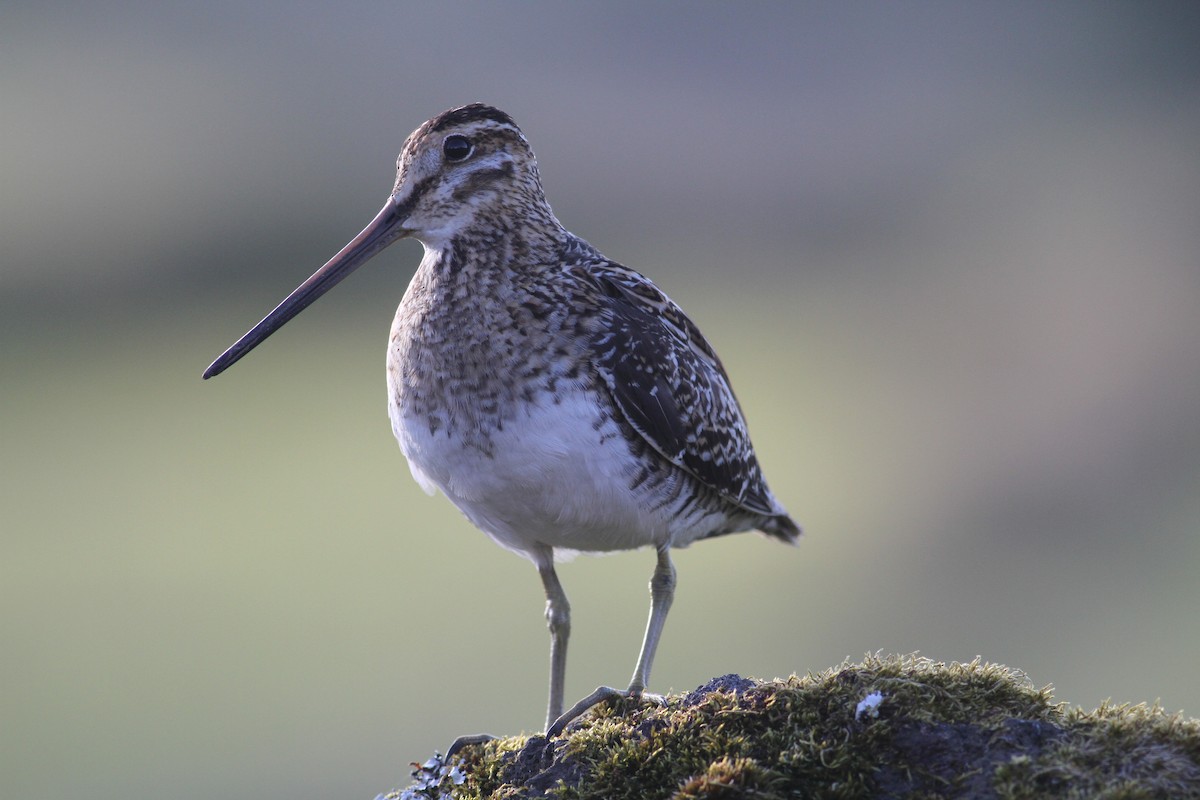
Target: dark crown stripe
x=476 y=112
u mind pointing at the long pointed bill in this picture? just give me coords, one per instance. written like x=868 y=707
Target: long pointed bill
x=387 y=227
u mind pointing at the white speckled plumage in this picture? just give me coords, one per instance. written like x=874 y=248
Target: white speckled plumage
x=560 y=400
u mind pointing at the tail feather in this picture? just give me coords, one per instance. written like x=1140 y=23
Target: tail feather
x=781 y=527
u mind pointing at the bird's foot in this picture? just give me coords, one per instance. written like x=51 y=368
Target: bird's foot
x=467 y=741
x=601 y=695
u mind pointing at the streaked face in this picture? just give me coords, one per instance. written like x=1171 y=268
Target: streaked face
x=458 y=167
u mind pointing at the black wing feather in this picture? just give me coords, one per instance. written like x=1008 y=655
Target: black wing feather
x=670 y=386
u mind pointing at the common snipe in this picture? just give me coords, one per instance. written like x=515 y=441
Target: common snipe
x=560 y=400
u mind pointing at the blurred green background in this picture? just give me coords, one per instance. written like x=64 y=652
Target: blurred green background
x=950 y=254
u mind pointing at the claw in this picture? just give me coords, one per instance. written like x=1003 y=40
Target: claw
x=471 y=740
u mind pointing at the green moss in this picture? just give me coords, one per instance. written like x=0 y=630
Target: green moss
x=1117 y=753
x=936 y=731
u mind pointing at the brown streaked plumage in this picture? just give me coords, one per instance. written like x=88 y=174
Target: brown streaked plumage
x=560 y=400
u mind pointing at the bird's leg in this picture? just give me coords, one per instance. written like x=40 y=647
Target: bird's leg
x=662 y=592
x=558 y=620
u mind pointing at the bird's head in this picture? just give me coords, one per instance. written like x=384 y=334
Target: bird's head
x=465 y=168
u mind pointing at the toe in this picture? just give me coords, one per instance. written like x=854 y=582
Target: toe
x=471 y=740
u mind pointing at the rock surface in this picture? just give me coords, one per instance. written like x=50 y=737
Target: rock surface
x=890 y=727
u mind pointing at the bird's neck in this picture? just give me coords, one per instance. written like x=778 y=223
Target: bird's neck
x=471 y=286
x=485 y=252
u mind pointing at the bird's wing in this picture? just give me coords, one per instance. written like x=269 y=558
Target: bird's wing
x=668 y=383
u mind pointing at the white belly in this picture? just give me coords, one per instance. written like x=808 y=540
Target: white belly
x=550 y=478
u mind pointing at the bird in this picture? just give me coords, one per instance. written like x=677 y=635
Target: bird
x=560 y=400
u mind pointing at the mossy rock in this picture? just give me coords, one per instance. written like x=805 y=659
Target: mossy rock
x=891 y=727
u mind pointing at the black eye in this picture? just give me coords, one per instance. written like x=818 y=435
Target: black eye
x=457 y=148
